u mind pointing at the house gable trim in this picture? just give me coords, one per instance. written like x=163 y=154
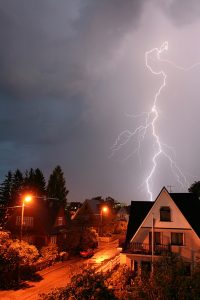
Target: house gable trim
x=151 y=209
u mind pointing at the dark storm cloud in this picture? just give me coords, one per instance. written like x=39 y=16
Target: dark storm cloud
x=52 y=55
x=69 y=70
x=181 y=12
x=45 y=50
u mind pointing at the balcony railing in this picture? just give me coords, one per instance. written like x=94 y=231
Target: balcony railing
x=146 y=249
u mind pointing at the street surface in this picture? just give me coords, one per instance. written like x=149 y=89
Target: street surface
x=60 y=274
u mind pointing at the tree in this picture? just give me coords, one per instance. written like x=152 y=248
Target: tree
x=40 y=182
x=6 y=189
x=17 y=187
x=5 y=198
x=56 y=187
x=35 y=182
x=195 y=188
x=168 y=281
x=89 y=238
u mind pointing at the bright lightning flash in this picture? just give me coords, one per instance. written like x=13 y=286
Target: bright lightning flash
x=150 y=124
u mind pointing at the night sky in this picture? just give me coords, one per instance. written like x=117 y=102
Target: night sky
x=73 y=74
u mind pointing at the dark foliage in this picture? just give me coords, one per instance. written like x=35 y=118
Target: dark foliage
x=195 y=188
x=56 y=188
x=87 y=285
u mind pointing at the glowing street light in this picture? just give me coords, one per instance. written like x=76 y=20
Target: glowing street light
x=104 y=209
x=26 y=199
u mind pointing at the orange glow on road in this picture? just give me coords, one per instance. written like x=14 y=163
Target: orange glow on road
x=101 y=258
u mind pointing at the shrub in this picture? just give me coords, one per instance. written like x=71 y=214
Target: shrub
x=12 y=255
x=89 y=239
x=49 y=252
x=84 y=286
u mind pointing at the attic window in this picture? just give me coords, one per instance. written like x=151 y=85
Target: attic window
x=165 y=214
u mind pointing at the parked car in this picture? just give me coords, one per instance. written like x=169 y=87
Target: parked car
x=87 y=253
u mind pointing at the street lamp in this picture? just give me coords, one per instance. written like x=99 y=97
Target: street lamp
x=26 y=199
x=104 y=209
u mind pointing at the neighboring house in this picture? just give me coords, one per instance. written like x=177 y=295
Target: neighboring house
x=88 y=215
x=43 y=224
x=169 y=224
x=91 y=215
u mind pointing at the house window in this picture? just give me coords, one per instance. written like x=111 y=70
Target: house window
x=177 y=238
x=53 y=239
x=165 y=214
x=60 y=221
x=28 y=221
x=157 y=238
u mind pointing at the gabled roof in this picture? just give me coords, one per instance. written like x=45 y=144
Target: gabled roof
x=138 y=211
x=95 y=205
x=89 y=207
x=189 y=205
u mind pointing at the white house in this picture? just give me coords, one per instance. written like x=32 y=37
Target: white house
x=169 y=224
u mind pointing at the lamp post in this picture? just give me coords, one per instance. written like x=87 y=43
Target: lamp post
x=26 y=199
x=104 y=209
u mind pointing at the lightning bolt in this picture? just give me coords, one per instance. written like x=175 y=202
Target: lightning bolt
x=151 y=118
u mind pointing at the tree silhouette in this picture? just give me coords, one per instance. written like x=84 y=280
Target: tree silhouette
x=195 y=188
x=56 y=187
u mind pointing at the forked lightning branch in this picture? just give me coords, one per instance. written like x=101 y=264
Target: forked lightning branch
x=150 y=122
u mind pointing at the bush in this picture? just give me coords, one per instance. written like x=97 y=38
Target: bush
x=84 y=286
x=49 y=252
x=89 y=239
x=81 y=240
x=13 y=254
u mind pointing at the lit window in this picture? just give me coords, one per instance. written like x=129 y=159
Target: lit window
x=177 y=238
x=165 y=214
x=60 y=221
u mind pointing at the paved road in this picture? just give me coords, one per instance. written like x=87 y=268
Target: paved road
x=60 y=274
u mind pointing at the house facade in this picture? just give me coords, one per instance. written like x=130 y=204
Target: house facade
x=169 y=224
x=91 y=214
x=42 y=224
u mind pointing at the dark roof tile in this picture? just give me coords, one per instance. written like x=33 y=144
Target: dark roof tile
x=138 y=211
x=189 y=205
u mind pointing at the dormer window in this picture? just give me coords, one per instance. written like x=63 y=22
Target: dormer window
x=165 y=214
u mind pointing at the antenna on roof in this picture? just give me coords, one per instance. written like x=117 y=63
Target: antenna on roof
x=170 y=187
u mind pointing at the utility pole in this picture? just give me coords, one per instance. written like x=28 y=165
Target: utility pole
x=152 y=244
